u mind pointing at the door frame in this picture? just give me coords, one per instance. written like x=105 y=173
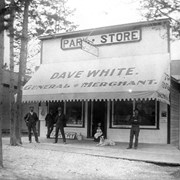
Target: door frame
x=90 y=115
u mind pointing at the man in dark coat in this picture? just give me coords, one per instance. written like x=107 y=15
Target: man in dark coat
x=49 y=123
x=135 y=122
x=60 y=120
x=31 y=119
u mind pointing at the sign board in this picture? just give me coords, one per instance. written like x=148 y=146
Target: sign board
x=90 y=48
x=42 y=112
x=121 y=78
x=68 y=135
x=102 y=39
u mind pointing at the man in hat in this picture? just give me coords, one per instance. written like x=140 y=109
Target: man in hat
x=49 y=123
x=60 y=120
x=135 y=121
x=31 y=119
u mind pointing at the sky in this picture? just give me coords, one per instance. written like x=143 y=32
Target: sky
x=99 y=13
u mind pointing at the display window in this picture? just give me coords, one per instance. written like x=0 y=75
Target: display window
x=121 y=112
x=75 y=114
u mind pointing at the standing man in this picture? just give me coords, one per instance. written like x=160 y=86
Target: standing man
x=31 y=119
x=49 y=122
x=60 y=120
x=135 y=122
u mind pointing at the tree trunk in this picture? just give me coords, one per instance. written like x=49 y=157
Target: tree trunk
x=2 y=5
x=13 y=140
x=22 y=68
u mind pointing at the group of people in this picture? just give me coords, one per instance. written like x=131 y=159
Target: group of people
x=31 y=119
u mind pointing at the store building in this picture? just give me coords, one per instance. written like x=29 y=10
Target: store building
x=101 y=75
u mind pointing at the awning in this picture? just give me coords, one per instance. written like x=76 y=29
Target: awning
x=123 y=78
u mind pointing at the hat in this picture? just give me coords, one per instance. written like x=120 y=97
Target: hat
x=59 y=108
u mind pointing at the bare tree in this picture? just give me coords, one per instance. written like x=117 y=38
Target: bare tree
x=26 y=33
x=154 y=9
x=22 y=68
x=13 y=140
x=17 y=12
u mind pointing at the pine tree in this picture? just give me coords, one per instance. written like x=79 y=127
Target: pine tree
x=43 y=17
x=2 y=6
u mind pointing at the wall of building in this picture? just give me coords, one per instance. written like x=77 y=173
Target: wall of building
x=122 y=135
x=146 y=135
x=153 y=41
x=81 y=130
x=6 y=100
x=175 y=115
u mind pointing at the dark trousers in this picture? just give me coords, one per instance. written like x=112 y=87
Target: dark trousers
x=61 y=128
x=49 y=130
x=134 y=132
x=32 y=128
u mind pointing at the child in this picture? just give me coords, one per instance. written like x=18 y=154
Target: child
x=98 y=133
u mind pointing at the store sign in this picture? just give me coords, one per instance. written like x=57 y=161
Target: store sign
x=90 y=48
x=68 y=135
x=122 y=78
x=102 y=39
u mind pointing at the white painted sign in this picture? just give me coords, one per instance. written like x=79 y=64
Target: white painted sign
x=111 y=78
x=90 y=48
x=103 y=39
x=42 y=112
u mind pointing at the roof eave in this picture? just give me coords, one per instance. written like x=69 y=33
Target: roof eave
x=141 y=23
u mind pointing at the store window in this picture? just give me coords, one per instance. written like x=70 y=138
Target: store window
x=148 y=113
x=75 y=114
x=122 y=111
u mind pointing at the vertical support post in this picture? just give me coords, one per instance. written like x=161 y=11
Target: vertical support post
x=179 y=119
x=169 y=125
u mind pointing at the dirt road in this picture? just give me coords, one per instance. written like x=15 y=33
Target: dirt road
x=22 y=163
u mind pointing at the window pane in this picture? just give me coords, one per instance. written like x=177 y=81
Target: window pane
x=122 y=111
x=147 y=111
x=74 y=114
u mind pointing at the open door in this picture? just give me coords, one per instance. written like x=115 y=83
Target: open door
x=97 y=113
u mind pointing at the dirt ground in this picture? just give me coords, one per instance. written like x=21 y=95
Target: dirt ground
x=22 y=163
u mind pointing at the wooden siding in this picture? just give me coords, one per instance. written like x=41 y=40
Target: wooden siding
x=175 y=107
x=6 y=99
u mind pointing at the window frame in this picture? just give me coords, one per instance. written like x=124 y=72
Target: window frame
x=154 y=127
x=82 y=114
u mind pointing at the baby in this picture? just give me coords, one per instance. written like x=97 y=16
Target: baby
x=98 y=133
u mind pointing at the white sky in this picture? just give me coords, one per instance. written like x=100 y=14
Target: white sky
x=99 y=13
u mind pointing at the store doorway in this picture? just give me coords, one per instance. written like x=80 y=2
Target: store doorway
x=97 y=114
